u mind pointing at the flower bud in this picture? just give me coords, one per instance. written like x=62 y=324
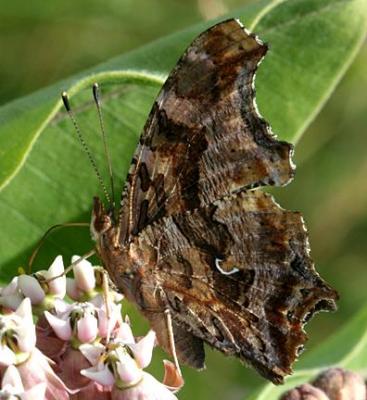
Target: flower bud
x=340 y=384
x=84 y=275
x=56 y=278
x=304 y=392
x=31 y=288
x=88 y=282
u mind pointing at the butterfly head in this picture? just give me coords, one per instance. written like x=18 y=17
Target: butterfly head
x=101 y=221
x=114 y=257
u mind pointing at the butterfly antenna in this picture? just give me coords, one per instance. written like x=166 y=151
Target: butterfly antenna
x=46 y=235
x=97 y=97
x=85 y=147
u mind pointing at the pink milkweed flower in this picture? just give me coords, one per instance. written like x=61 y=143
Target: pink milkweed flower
x=88 y=282
x=120 y=364
x=75 y=324
x=17 y=335
x=12 y=387
x=43 y=287
x=84 y=322
x=18 y=348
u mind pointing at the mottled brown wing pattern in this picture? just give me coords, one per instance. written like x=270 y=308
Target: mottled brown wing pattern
x=204 y=138
x=236 y=275
x=229 y=264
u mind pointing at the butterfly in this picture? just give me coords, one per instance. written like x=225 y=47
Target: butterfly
x=205 y=256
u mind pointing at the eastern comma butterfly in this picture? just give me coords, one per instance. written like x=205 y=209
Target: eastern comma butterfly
x=203 y=255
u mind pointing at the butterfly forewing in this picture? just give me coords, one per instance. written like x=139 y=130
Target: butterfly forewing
x=204 y=138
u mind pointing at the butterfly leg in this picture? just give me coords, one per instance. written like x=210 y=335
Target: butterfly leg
x=107 y=300
x=171 y=338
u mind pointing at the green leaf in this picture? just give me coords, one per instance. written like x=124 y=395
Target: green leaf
x=347 y=349
x=45 y=178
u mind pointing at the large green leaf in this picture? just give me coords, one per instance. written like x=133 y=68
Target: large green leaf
x=44 y=176
x=347 y=349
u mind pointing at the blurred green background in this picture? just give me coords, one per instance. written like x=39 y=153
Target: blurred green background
x=42 y=42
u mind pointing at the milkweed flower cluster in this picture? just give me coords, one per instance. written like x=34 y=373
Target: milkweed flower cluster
x=65 y=339
x=332 y=384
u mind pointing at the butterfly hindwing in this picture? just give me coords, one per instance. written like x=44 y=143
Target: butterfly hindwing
x=238 y=276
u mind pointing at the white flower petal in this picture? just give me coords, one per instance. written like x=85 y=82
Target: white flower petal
x=11 y=377
x=98 y=301
x=7 y=357
x=26 y=336
x=128 y=371
x=85 y=263
x=37 y=392
x=92 y=352
x=57 y=287
x=107 y=323
x=147 y=388
x=72 y=289
x=12 y=301
x=24 y=311
x=159 y=391
x=62 y=307
x=103 y=376
x=143 y=350
x=125 y=333
x=84 y=274
x=56 y=268
x=114 y=317
x=10 y=392
x=116 y=296
x=61 y=327
x=31 y=288
x=11 y=288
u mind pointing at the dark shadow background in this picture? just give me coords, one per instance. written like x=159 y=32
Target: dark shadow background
x=44 y=41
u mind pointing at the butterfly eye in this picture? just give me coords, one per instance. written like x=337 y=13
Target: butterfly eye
x=101 y=222
x=307 y=317
x=300 y=350
x=128 y=273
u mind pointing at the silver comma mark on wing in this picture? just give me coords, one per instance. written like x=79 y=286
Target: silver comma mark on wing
x=222 y=271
